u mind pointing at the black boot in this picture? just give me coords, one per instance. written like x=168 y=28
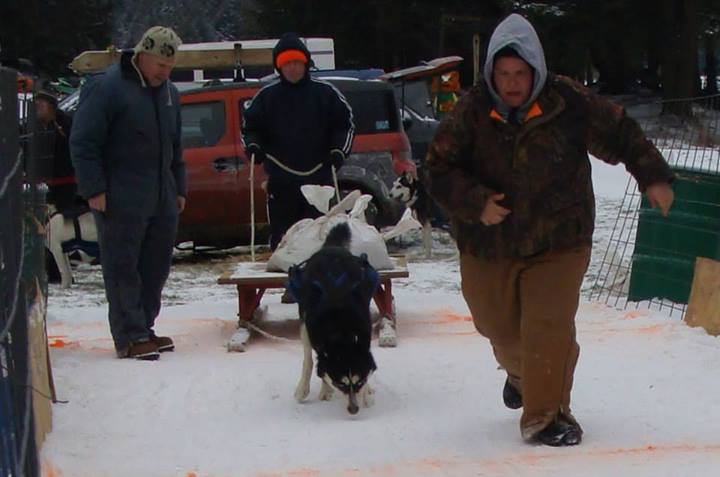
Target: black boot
x=561 y=432
x=511 y=396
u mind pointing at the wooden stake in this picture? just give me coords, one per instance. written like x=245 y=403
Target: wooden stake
x=704 y=304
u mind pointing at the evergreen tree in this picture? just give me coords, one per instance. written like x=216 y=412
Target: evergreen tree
x=389 y=34
x=50 y=34
x=194 y=20
x=680 y=79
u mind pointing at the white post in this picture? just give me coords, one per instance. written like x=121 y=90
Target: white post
x=335 y=183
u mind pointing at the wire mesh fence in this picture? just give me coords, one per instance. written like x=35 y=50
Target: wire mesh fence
x=691 y=145
x=22 y=277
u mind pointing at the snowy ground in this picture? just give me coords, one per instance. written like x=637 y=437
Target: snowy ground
x=646 y=388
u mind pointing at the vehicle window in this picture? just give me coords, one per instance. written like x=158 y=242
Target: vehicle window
x=373 y=111
x=416 y=95
x=203 y=124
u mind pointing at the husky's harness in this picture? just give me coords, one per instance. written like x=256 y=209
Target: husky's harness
x=334 y=287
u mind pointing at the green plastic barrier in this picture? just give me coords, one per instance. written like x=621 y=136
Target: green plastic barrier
x=663 y=261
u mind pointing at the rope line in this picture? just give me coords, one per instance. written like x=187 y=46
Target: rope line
x=294 y=171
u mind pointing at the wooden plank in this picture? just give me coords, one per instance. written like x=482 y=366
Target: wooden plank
x=93 y=61
x=253 y=273
x=222 y=59
x=400 y=270
x=264 y=282
x=40 y=368
x=704 y=304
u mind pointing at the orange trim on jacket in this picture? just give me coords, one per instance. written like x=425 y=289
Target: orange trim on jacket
x=495 y=115
x=534 y=112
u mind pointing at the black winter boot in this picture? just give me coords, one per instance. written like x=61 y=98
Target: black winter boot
x=561 y=432
x=511 y=396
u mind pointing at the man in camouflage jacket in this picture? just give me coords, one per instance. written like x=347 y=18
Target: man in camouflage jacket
x=510 y=167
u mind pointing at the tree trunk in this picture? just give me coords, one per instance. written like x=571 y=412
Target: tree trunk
x=710 y=65
x=612 y=68
x=679 y=62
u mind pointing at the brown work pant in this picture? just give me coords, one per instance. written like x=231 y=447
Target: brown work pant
x=526 y=307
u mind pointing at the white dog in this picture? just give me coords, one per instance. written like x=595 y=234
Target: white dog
x=66 y=235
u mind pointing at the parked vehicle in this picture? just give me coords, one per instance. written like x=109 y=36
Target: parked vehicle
x=412 y=92
x=217 y=211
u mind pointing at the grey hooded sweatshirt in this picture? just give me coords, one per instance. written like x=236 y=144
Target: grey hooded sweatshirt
x=519 y=34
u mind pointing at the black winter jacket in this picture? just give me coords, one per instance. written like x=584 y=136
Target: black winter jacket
x=299 y=124
x=125 y=142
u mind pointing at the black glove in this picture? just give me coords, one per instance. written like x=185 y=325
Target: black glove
x=257 y=150
x=335 y=158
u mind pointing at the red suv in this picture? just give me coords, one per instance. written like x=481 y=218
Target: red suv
x=218 y=205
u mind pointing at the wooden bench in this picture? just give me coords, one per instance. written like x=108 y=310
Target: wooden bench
x=251 y=280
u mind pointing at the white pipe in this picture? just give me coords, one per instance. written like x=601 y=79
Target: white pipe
x=335 y=182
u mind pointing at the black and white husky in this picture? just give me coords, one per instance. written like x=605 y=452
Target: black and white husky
x=410 y=191
x=333 y=289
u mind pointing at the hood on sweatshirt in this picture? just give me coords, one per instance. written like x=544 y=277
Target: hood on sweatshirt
x=291 y=41
x=517 y=33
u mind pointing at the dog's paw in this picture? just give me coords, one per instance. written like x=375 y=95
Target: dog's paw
x=366 y=397
x=302 y=391
x=387 y=337
x=326 y=392
x=368 y=401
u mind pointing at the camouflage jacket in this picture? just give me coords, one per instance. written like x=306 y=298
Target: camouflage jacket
x=541 y=166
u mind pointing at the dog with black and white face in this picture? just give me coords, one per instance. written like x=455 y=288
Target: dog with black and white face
x=409 y=190
x=333 y=290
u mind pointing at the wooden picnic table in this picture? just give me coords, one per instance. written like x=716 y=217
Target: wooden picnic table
x=251 y=280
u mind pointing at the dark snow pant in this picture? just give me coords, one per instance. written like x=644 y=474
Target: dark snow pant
x=286 y=205
x=526 y=308
x=136 y=253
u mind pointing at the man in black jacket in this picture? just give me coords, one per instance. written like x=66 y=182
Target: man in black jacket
x=55 y=126
x=299 y=127
x=126 y=150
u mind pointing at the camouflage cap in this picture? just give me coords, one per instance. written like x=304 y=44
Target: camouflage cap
x=159 y=41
